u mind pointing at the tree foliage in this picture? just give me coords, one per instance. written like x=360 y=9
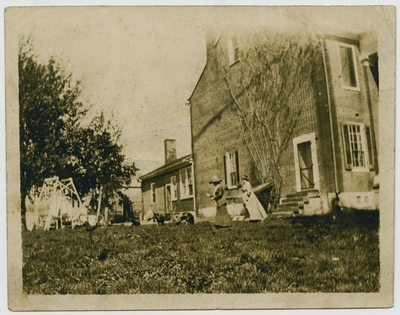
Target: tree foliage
x=265 y=89
x=49 y=112
x=103 y=165
x=53 y=141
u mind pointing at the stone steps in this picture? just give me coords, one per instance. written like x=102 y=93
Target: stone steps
x=294 y=203
x=309 y=193
x=292 y=199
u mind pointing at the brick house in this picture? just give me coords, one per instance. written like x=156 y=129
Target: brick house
x=169 y=188
x=333 y=152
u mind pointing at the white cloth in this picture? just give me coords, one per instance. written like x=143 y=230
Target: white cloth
x=252 y=204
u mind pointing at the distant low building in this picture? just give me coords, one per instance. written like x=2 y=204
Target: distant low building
x=169 y=188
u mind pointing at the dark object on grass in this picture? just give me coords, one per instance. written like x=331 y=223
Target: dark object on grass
x=135 y=223
x=103 y=254
x=159 y=218
x=89 y=227
x=187 y=218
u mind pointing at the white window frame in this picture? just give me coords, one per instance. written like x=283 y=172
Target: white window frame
x=185 y=182
x=229 y=167
x=344 y=86
x=166 y=197
x=232 y=48
x=305 y=138
x=153 y=193
x=174 y=189
x=364 y=146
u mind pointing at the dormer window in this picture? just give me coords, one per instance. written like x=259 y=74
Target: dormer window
x=233 y=49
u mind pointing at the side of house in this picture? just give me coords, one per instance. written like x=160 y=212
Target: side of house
x=333 y=152
x=169 y=188
x=217 y=141
x=351 y=62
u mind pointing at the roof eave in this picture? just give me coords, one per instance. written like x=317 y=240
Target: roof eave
x=186 y=161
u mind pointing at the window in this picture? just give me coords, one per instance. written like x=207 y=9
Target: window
x=348 y=67
x=186 y=182
x=174 y=194
x=231 y=161
x=357 y=147
x=153 y=193
x=233 y=49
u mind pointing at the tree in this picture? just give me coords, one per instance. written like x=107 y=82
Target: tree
x=49 y=112
x=103 y=166
x=275 y=71
x=52 y=140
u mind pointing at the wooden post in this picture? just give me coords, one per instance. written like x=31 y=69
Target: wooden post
x=91 y=202
x=99 y=202
x=106 y=216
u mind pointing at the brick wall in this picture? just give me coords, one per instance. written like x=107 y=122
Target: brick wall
x=216 y=130
x=307 y=123
x=349 y=106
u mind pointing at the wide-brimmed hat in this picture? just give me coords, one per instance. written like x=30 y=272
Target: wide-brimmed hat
x=245 y=177
x=215 y=179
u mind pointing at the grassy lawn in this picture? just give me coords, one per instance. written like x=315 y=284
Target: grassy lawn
x=302 y=254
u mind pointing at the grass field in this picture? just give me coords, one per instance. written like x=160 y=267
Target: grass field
x=302 y=254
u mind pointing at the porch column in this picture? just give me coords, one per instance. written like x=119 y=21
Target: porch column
x=365 y=64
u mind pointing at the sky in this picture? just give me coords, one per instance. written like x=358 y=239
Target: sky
x=141 y=64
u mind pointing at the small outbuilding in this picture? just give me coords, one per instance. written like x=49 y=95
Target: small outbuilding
x=170 y=188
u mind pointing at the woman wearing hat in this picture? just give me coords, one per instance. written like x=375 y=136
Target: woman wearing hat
x=251 y=202
x=222 y=218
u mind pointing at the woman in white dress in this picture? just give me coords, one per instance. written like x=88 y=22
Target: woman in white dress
x=251 y=202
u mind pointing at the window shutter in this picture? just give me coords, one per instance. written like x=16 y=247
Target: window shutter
x=347 y=149
x=225 y=171
x=237 y=168
x=369 y=144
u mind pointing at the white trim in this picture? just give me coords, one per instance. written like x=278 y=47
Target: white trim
x=182 y=194
x=194 y=192
x=166 y=195
x=305 y=138
x=185 y=198
x=153 y=193
x=228 y=168
x=174 y=194
x=231 y=50
x=364 y=143
x=346 y=87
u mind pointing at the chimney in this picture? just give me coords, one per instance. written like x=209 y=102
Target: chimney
x=170 y=150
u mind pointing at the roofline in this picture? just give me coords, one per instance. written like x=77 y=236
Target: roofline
x=205 y=66
x=198 y=81
x=219 y=36
x=168 y=167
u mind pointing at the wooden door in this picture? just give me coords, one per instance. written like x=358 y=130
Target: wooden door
x=305 y=165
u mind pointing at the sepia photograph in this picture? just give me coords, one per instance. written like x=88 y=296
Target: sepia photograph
x=200 y=157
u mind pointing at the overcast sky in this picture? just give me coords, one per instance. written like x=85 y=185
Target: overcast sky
x=142 y=63
x=139 y=63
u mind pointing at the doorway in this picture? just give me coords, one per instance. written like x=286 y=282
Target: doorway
x=168 y=199
x=306 y=164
